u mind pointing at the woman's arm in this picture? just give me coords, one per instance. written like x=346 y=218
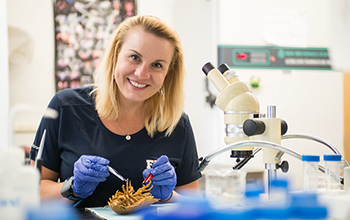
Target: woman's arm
x=190 y=188
x=49 y=187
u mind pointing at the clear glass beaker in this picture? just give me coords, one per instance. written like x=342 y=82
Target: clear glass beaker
x=224 y=186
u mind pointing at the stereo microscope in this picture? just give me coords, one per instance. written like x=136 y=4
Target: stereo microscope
x=248 y=131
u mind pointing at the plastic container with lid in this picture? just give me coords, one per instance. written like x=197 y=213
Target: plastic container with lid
x=310 y=172
x=332 y=171
x=279 y=192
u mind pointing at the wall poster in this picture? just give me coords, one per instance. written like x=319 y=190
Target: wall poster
x=82 y=31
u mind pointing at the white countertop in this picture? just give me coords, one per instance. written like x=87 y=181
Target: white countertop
x=109 y=214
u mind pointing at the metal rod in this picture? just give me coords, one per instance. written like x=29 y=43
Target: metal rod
x=271 y=175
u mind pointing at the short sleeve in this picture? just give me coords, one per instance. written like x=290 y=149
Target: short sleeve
x=187 y=170
x=51 y=154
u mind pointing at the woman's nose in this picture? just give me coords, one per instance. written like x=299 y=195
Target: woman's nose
x=142 y=71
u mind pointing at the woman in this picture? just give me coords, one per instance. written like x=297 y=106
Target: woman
x=131 y=119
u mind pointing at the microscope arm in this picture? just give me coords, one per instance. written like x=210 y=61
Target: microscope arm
x=317 y=139
x=239 y=144
x=205 y=162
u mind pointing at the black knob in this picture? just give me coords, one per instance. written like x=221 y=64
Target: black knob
x=284 y=166
x=253 y=127
x=284 y=127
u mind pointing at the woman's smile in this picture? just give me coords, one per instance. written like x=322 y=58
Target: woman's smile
x=138 y=85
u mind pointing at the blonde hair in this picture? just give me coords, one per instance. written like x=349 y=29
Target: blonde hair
x=163 y=109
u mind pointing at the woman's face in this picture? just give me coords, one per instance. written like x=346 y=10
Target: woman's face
x=143 y=62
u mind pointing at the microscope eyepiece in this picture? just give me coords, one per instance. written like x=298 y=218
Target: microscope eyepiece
x=223 y=68
x=207 y=67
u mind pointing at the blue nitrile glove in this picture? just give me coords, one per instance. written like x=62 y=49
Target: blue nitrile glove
x=88 y=172
x=164 y=178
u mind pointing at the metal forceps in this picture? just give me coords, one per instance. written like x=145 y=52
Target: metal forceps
x=115 y=173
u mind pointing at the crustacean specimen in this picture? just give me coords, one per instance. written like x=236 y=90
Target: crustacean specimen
x=130 y=201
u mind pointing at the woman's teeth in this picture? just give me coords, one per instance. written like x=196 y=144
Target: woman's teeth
x=137 y=84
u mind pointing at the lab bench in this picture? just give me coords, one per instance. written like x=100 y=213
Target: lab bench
x=336 y=203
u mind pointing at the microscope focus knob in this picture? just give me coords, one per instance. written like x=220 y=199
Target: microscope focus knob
x=284 y=166
x=284 y=127
x=253 y=127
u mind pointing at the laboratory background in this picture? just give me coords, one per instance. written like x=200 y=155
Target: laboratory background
x=311 y=95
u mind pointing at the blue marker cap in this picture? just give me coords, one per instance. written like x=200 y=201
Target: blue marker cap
x=310 y=158
x=279 y=183
x=333 y=157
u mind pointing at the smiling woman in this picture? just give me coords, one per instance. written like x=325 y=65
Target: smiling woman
x=131 y=119
x=150 y=48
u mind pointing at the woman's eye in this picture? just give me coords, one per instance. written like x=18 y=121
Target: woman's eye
x=135 y=57
x=157 y=65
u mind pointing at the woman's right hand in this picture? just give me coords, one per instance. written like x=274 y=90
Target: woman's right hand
x=88 y=172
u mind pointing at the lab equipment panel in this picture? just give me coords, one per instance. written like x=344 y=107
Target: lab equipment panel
x=274 y=57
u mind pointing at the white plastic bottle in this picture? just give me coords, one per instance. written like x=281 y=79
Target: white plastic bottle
x=19 y=185
x=310 y=172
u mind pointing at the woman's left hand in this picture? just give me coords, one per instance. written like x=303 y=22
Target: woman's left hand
x=164 y=178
